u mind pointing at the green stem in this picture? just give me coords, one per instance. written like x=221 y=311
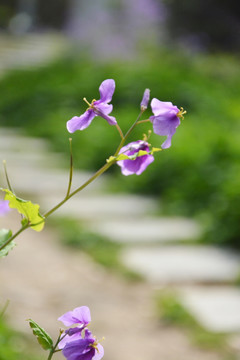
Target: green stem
x=6 y=175
x=53 y=350
x=71 y=169
x=14 y=236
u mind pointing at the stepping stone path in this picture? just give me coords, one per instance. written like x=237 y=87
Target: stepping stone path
x=29 y=50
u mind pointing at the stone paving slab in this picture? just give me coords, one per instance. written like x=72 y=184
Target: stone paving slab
x=149 y=229
x=41 y=183
x=102 y=206
x=216 y=308
x=183 y=264
x=30 y=50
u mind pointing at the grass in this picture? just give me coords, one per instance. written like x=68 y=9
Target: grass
x=171 y=312
x=102 y=250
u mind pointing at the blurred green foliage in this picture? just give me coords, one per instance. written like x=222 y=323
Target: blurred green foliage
x=199 y=175
x=14 y=345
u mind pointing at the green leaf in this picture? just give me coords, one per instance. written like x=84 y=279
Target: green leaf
x=4 y=236
x=43 y=338
x=29 y=210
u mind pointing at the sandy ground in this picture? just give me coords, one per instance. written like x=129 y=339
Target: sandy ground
x=43 y=280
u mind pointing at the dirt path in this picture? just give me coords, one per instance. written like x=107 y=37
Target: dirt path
x=43 y=280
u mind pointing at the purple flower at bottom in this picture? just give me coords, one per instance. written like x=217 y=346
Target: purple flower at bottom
x=4 y=207
x=165 y=120
x=82 y=348
x=96 y=108
x=138 y=165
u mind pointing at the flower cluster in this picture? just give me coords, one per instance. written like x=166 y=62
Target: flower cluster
x=165 y=121
x=78 y=343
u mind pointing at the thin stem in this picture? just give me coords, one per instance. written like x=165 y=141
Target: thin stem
x=14 y=236
x=98 y=173
x=120 y=131
x=53 y=350
x=128 y=133
x=71 y=168
x=143 y=121
x=6 y=175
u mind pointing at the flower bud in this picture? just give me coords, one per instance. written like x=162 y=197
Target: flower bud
x=145 y=99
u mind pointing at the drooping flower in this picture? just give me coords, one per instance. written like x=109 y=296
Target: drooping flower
x=138 y=165
x=4 y=207
x=145 y=100
x=166 y=119
x=96 y=108
x=85 y=348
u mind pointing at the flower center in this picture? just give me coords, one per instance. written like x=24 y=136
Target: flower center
x=90 y=106
x=94 y=345
x=181 y=113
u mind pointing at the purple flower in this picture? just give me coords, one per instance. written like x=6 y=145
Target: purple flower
x=85 y=348
x=96 y=108
x=165 y=120
x=138 y=165
x=4 y=207
x=145 y=100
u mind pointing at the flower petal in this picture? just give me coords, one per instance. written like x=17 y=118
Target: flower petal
x=80 y=315
x=165 y=127
x=102 y=107
x=138 y=165
x=81 y=122
x=79 y=350
x=66 y=339
x=98 y=353
x=4 y=207
x=161 y=107
x=106 y=90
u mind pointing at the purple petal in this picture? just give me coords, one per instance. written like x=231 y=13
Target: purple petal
x=80 y=315
x=79 y=350
x=162 y=107
x=106 y=90
x=137 y=166
x=166 y=127
x=81 y=122
x=66 y=339
x=4 y=207
x=98 y=353
x=145 y=99
x=102 y=107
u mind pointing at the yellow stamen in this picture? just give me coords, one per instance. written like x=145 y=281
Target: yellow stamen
x=84 y=99
x=181 y=113
x=146 y=137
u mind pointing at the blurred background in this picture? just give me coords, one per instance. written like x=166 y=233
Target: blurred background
x=177 y=225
